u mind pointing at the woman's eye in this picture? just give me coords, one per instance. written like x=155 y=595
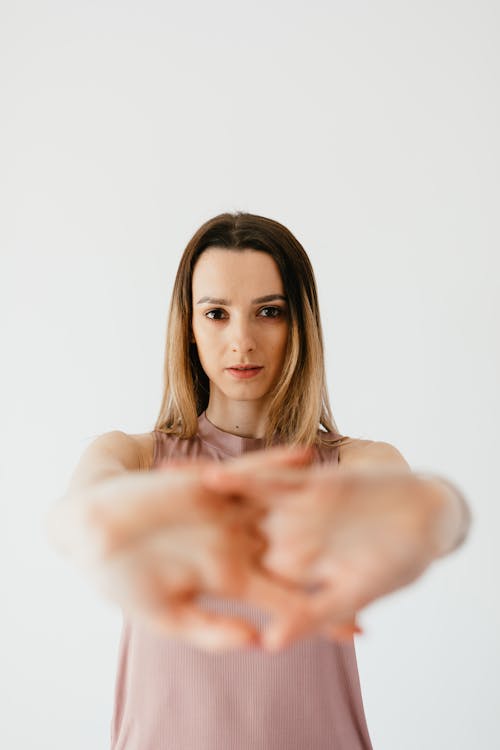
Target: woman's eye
x=208 y=314
x=275 y=312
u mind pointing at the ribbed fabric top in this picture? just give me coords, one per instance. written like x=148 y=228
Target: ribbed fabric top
x=171 y=695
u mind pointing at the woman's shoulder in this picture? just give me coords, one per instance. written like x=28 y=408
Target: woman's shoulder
x=344 y=446
x=167 y=444
x=336 y=439
x=158 y=444
x=352 y=448
x=145 y=442
x=368 y=454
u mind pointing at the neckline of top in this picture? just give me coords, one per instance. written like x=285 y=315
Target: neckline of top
x=226 y=441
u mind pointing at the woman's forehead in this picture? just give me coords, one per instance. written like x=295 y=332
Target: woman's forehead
x=220 y=272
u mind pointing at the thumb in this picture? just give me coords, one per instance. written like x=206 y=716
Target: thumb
x=257 y=485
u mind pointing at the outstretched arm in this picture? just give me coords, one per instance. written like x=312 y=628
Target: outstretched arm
x=451 y=514
x=358 y=532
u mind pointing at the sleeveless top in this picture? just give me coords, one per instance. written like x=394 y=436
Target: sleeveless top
x=171 y=695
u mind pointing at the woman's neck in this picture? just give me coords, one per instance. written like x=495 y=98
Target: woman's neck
x=244 y=418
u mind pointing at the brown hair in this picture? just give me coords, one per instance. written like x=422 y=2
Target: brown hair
x=299 y=402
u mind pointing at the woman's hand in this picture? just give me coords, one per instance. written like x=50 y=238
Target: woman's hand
x=355 y=535
x=153 y=541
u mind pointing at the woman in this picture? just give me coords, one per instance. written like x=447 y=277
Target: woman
x=243 y=503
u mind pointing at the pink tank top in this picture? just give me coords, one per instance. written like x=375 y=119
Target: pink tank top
x=170 y=695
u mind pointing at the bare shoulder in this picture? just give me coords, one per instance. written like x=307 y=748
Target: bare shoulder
x=358 y=454
x=111 y=453
x=145 y=442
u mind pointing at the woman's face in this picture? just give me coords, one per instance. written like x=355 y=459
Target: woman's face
x=233 y=325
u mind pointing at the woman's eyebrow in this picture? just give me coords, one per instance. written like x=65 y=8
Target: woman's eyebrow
x=258 y=300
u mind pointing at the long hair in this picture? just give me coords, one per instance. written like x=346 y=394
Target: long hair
x=299 y=402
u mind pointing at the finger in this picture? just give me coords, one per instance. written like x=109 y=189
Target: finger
x=252 y=485
x=343 y=631
x=146 y=502
x=281 y=598
x=334 y=605
x=284 y=631
x=239 y=517
x=206 y=630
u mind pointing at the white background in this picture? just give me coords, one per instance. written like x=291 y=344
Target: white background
x=370 y=129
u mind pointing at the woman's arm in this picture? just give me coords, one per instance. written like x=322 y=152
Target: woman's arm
x=358 y=533
x=452 y=517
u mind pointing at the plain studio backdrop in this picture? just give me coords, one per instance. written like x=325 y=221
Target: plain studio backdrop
x=370 y=129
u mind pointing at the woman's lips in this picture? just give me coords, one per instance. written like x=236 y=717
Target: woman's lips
x=242 y=374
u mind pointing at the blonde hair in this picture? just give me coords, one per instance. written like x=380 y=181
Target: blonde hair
x=299 y=403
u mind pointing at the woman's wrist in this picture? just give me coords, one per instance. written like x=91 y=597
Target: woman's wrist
x=452 y=515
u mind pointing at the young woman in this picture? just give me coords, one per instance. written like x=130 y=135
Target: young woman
x=245 y=518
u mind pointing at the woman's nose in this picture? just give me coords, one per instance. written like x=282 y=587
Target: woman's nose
x=241 y=337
